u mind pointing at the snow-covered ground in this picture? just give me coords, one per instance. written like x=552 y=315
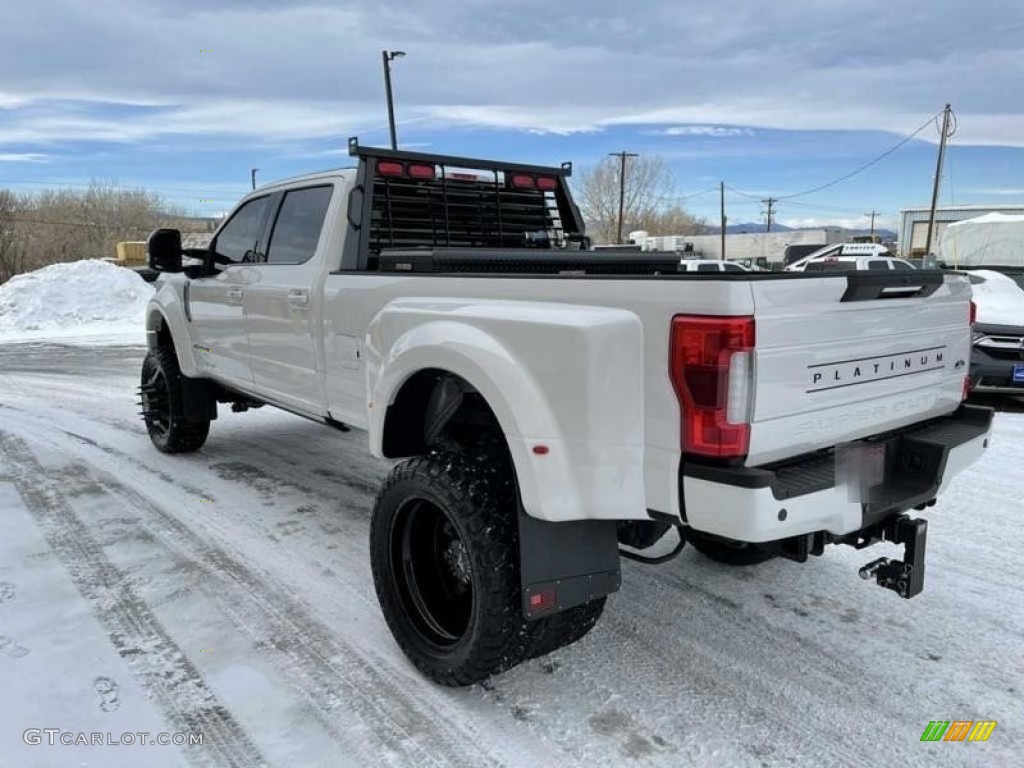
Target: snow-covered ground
x=228 y=593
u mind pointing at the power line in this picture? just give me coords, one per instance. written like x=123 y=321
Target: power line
x=179 y=191
x=741 y=193
x=864 y=167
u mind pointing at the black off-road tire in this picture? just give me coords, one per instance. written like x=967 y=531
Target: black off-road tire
x=565 y=628
x=444 y=550
x=728 y=551
x=162 y=406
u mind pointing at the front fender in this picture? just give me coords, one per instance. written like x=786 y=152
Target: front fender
x=167 y=310
x=566 y=377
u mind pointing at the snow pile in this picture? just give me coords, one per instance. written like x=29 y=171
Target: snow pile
x=77 y=299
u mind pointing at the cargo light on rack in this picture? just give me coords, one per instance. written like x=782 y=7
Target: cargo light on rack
x=388 y=168
x=525 y=181
x=422 y=171
x=522 y=181
x=711 y=366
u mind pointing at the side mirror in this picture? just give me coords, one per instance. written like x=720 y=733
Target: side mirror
x=164 y=249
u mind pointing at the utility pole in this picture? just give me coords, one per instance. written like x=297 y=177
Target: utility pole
x=872 y=214
x=938 y=178
x=387 y=57
x=622 y=187
x=770 y=202
x=252 y=175
x=721 y=194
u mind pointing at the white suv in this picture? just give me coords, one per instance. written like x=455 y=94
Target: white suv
x=850 y=263
x=710 y=265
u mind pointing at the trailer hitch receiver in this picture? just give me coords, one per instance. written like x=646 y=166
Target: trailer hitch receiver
x=904 y=577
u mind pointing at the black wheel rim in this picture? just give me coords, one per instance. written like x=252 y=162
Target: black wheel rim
x=432 y=573
x=156 y=402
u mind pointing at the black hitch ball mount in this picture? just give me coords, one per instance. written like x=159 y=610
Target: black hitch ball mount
x=904 y=577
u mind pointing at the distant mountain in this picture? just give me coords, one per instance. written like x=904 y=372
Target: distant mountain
x=758 y=227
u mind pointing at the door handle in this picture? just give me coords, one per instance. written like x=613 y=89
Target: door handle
x=235 y=294
x=298 y=299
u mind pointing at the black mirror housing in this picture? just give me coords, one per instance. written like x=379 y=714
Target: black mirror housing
x=164 y=249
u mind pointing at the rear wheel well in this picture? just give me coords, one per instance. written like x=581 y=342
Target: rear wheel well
x=438 y=408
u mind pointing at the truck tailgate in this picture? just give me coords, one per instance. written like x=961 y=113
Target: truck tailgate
x=848 y=356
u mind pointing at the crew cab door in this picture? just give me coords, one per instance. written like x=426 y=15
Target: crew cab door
x=281 y=313
x=216 y=302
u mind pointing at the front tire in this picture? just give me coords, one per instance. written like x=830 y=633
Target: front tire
x=444 y=551
x=162 y=405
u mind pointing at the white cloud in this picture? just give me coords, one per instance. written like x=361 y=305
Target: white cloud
x=998 y=191
x=23 y=157
x=714 y=131
x=281 y=71
x=821 y=222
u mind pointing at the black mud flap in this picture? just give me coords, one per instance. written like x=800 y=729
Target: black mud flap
x=563 y=565
x=198 y=399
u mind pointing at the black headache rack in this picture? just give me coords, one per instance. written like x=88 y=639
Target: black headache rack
x=418 y=212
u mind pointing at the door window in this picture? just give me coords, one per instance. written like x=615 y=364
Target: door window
x=238 y=241
x=297 y=229
x=707 y=267
x=876 y=264
x=903 y=265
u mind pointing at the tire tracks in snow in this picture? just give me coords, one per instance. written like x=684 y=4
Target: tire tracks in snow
x=341 y=683
x=171 y=679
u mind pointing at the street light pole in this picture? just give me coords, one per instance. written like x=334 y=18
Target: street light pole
x=387 y=57
x=622 y=187
x=252 y=175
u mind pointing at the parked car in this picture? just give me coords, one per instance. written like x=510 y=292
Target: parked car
x=842 y=257
x=546 y=403
x=710 y=265
x=997 y=356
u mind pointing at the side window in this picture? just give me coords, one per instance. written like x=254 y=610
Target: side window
x=902 y=265
x=297 y=229
x=877 y=264
x=707 y=267
x=238 y=241
x=732 y=267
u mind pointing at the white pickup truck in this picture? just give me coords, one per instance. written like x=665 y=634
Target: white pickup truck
x=554 y=407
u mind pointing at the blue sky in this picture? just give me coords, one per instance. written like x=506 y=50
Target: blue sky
x=185 y=96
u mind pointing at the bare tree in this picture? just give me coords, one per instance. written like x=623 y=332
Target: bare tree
x=65 y=225
x=12 y=251
x=647 y=193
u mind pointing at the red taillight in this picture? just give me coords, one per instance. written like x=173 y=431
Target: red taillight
x=422 y=171
x=701 y=357
x=973 y=316
x=547 y=183
x=522 y=181
x=387 y=168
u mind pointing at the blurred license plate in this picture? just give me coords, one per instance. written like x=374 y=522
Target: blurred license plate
x=1018 y=372
x=872 y=468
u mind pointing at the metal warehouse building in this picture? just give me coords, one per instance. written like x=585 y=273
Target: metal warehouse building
x=914 y=223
